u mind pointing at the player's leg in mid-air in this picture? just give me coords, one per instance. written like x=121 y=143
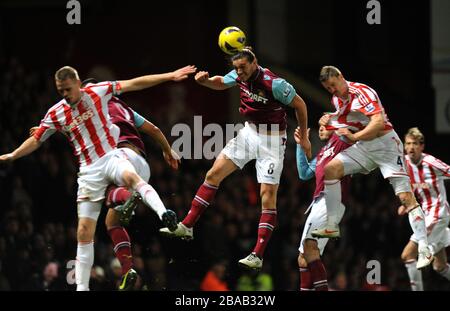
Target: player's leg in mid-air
x=313 y=274
x=120 y=197
x=234 y=155
x=131 y=170
x=386 y=153
x=269 y=151
x=221 y=168
x=438 y=239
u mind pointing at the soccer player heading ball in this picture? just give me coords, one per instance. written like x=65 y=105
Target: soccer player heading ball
x=264 y=98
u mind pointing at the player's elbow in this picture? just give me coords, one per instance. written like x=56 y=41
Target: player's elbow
x=298 y=103
x=304 y=175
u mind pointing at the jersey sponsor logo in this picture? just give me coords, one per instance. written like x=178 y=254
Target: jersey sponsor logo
x=423 y=185
x=79 y=120
x=257 y=97
x=370 y=107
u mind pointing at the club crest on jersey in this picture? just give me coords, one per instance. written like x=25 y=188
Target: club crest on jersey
x=257 y=97
x=327 y=153
x=78 y=120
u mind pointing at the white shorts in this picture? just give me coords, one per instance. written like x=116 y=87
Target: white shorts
x=438 y=234
x=385 y=152
x=268 y=150
x=318 y=219
x=93 y=179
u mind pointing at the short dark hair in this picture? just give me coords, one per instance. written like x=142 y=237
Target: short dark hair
x=327 y=72
x=246 y=52
x=66 y=72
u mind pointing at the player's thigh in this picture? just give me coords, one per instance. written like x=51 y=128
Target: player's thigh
x=410 y=250
x=92 y=182
x=317 y=219
x=270 y=158
x=238 y=149
x=118 y=168
x=88 y=209
x=139 y=163
x=222 y=167
x=389 y=156
x=355 y=159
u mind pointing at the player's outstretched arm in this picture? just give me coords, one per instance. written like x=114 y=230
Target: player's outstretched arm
x=215 y=83
x=144 y=82
x=170 y=156
x=27 y=147
x=301 y=113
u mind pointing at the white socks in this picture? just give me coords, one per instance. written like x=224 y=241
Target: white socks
x=151 y=198
x=417 y=223
x=415 y=275
x=83 y=265
x=333 y=197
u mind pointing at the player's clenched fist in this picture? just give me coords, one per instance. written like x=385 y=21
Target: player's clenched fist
x=201 y=77
x=325 y=119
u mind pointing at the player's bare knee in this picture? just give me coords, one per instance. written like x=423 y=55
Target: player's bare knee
x=130 y=178
x=408 y=200
x=84 y=233
x=409 y=253
x=407 y=256
x=301 y=261
x=311 y=250
x=213 y=177
x=334 y=170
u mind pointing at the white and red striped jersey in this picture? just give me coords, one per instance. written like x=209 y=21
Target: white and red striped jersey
x=86 y=124
x=427 y=180
x=354 y=113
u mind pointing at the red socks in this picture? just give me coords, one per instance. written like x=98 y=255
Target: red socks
x=122 y=247
x=318 y=275
x=305 y=280
x=205 y=194
x=117 y=195
x=267 y=223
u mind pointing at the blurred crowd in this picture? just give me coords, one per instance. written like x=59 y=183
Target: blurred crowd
x=38 y=215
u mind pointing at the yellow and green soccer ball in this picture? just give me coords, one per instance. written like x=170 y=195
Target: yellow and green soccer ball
x=232 y=40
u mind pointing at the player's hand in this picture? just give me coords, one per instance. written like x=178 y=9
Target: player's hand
x=7 y=157
x=303 y=141
x=401 y=210
x=183 y=73
x=33 y=129
x=325 y=119
x=201 y=77
x=172 y=158
x=298 y=135
x=347 y=134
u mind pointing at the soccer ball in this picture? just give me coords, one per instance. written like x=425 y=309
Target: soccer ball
x=232 y=40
